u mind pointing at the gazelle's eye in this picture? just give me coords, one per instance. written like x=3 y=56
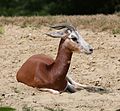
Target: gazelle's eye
x=74 y=39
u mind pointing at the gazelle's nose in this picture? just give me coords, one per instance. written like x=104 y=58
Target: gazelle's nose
x=91 y=50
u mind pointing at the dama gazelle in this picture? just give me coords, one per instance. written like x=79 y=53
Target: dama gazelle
x=50 y=75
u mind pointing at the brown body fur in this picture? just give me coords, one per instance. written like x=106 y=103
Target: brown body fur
x=43 y=72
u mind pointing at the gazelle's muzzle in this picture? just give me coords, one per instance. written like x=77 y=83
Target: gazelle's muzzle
x=88 y=50
x=85 y=46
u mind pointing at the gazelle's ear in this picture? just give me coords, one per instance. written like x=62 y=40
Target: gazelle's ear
x=58 y=34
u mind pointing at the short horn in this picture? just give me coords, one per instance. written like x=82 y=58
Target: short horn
x=62 y=26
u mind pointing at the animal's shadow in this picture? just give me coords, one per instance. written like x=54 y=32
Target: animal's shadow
x=99 y=90
x=93 y=89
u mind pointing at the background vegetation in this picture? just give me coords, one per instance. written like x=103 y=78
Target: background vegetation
x=54 y=7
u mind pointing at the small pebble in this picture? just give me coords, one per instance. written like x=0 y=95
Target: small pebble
x=29 y=34
x=3 y=94
x=118 y=89
x=92 y=69
x=74 y=68
x=34 y=101
x=21 y=98
x=33 y=94
x=102 y=43
x=118 y=80
x=119 y=60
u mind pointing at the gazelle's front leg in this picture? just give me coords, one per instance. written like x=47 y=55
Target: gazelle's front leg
x=70 y=88
x=81 y=86
x=75 y=84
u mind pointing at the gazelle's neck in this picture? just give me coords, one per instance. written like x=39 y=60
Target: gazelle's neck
x=62 y=62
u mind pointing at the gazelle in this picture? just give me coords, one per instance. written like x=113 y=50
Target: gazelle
x=50 y=75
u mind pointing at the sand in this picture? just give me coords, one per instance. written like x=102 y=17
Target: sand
x=102 y=68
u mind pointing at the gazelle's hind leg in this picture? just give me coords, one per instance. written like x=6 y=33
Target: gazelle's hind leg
x=78 y=86
x=49 y=90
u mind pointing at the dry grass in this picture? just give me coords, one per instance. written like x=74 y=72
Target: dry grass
x=95 y=22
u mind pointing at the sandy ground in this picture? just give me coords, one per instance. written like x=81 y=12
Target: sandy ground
x=102 y=68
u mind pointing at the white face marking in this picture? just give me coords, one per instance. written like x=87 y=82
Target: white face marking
x=77 y=38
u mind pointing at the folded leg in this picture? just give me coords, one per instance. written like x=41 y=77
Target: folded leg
x=70 y=88
x=49 y=90
x=78 y=86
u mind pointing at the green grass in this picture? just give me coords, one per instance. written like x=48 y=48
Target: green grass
x=26 y=108
x=116 y=31
x=6 y=108
x=2 y=30
x=16 y=90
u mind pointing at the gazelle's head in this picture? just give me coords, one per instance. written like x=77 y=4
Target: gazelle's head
x=73 y=40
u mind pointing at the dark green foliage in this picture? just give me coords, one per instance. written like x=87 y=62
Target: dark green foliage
x=53 y=7
x=6 y=109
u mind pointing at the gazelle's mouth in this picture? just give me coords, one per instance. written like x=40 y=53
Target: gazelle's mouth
x=90 y=51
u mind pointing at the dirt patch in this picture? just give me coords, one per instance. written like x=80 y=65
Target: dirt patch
x=102 y=68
